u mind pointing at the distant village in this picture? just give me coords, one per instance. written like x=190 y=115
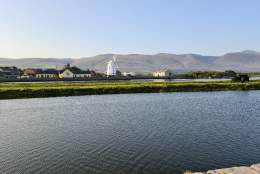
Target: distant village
x=112 y=70
x=69 y=71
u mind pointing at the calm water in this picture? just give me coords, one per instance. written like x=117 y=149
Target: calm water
x=128 y=134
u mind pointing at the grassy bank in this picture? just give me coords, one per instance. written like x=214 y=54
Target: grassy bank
x=31 y=90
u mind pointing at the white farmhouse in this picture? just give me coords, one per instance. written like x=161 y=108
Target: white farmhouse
x=74 y=72
x=66 y=73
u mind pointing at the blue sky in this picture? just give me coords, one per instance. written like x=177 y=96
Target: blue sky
x=79 y=28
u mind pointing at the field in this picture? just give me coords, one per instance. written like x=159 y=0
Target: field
x=55 y=89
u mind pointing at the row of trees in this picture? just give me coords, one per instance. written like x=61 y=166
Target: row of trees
x=207 y=74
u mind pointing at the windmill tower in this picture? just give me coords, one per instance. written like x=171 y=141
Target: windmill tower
x=112 y=67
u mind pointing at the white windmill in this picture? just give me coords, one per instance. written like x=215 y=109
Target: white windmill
x=112 y=67
x=115 y=61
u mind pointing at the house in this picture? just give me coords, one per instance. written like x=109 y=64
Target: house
x=30 y=72
x=74 y=72
x=48 y=73
x=162 y=73
x=9 y=72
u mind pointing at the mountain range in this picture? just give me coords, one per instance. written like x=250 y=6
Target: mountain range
x=245 y=61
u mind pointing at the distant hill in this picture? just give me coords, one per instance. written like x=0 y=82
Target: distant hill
x=240 y=61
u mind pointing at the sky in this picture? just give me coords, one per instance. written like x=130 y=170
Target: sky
x=82 y=28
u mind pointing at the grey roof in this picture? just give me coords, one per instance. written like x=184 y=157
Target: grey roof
x=48 y=71
x=76 y=70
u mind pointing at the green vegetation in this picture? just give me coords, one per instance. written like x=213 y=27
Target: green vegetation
x=207 y=74
x=254 y=74
x=30 y=90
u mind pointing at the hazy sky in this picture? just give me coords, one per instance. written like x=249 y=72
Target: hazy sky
x=78 y=28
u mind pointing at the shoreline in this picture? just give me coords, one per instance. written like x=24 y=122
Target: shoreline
x=40 y=90
x=253 y=169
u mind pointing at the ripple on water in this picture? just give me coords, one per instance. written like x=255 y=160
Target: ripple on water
x=137 y=133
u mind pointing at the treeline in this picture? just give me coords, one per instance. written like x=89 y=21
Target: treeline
x=254 y=74
x=206 y=74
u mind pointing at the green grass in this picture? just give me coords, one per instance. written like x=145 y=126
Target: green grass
x=30 y=90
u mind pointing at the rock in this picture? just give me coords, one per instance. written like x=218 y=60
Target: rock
x=253 y=169
x=237 y=170
x=211 y=172
x=256 y=167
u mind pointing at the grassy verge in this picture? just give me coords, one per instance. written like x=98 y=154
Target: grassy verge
x=31 y=90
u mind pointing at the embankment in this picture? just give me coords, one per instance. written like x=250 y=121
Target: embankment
x=56 y=89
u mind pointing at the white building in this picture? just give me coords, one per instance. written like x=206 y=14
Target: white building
x=162 y=73
x=128 y=74
x=67 y=73
x=111 y=67
x=74 y=72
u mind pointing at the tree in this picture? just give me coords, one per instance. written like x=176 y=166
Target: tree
x=230 y=73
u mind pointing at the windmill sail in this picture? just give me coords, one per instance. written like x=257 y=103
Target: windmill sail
x=114 y=58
